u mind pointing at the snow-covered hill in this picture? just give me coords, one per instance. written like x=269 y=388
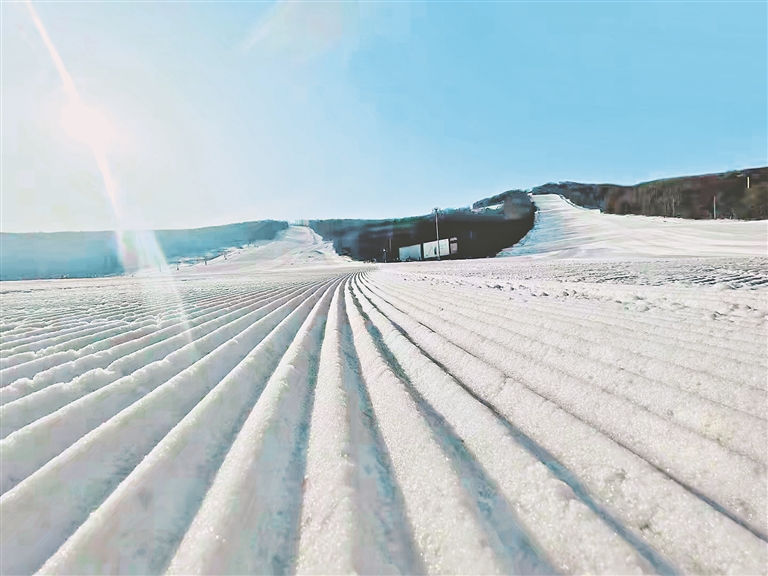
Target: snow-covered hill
x=286 y=410
x=298 y=246
x=565 y=230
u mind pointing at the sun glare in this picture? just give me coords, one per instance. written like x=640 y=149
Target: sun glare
x=88 y=125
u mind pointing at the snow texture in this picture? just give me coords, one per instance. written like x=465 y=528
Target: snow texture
x=565 y=230
x=594 y=402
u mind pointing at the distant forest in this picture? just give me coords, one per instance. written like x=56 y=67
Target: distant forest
x=87 y=254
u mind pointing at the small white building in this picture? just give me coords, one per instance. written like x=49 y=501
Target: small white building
x=430 y=248
x=410 y=253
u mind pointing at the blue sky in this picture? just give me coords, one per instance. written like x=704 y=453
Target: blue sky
x=225 y=112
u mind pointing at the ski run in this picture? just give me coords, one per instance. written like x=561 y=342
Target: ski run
x=286 y=410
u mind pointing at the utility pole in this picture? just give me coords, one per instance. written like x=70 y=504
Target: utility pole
x=714 y=206
x=437 y=233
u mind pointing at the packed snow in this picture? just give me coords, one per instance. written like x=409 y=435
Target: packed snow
x=565 y=230
x=592 y=403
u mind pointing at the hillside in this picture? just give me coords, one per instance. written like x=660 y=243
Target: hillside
x=488 y=227
x=685 y=197
x=87 y=254
x=564 y=230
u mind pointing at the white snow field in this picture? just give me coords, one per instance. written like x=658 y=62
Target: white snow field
x=287 y=410
x=565 y=230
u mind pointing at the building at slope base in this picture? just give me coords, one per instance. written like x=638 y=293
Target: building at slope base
x=465 y=233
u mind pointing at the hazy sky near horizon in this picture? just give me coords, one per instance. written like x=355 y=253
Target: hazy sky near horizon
x=224 y=112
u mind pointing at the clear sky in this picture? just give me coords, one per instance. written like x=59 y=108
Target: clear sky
x=214 y=112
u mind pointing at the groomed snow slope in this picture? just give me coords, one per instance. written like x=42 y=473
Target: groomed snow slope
x=565 y=230
x=268 y=414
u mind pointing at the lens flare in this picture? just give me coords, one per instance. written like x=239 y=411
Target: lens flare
x=88 y=125
x=137 y=249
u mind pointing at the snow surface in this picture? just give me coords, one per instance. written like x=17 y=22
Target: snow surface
x=565 y=230
x=288 y=410
x=297 y=246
